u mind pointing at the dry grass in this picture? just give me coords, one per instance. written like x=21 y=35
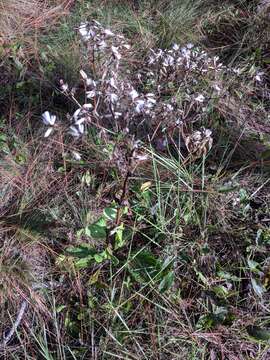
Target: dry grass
x=21 y=16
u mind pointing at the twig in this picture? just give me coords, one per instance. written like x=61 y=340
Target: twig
x=16 y=324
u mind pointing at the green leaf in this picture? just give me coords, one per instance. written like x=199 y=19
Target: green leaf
x=201 y=277
x=99 y=258
x=221 y=291
x=258 y=332
x=144 y=267
x=81 y=251
x=3 y=137
x=101 y=222
x=109 y=255
x=227 y=276
x=83 y=263
x=60 y=308
x=257 y=287
x=167 y=262
x=166 y=282
x=94 y=277
x=96 y=231
x=82 y=315
x=119 y=239
x=205 y=322
x=244 y=197
x=227 y=188
x=253 y=265
x=86 y=255
x=110 y=213
x=20 y=159
x=79 y=233
x=219 y=316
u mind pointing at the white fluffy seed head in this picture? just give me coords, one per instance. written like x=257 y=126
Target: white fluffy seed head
x=48 y=132
x=83 y=74
x=73 y=131
x=48 y=119
x=76 y=155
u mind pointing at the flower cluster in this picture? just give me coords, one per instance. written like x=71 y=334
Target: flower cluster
x=185 y=66
x=48 y=120
x=174 y=88
x=188 y=57
x=100 y=39
x=199 y=142
x=116 y=97
x=80 y=118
